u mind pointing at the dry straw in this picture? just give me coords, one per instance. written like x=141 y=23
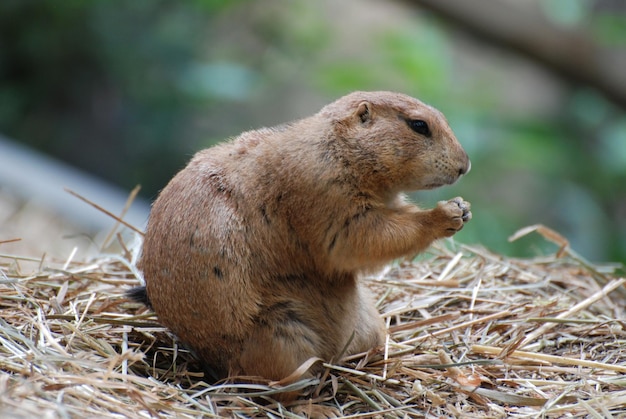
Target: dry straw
x=471 y=334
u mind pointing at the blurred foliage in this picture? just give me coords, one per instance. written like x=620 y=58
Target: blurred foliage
x=129 y=90
x=102 y=85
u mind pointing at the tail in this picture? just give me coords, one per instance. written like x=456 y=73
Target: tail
x=140 y=295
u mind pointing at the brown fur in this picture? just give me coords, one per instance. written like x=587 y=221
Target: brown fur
x=252 y=252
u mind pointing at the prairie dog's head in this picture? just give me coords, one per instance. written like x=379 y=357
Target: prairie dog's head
x=403 y=140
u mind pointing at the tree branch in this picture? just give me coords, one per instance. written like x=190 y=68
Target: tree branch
x=569 y=54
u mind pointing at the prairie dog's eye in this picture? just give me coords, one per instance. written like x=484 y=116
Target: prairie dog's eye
x=419 y=126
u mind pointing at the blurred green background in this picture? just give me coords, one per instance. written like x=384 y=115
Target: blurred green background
x=129 y=90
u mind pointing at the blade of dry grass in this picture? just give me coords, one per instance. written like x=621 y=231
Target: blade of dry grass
x=560 y=360
x=109 y=213
x=129 y=201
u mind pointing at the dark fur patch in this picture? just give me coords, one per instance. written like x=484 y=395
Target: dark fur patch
x=266 y=218
x=220 y=184
x=284 y=316
x=291 y=279
x=356 y=216
x=192 y=238
x=332 y=244
x=218 y=272
x=140 y=295
x=286 y=333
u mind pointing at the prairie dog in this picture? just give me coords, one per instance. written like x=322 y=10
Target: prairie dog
x=252 y=252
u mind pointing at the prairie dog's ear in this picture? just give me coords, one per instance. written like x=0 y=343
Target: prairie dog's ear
x=364 y=111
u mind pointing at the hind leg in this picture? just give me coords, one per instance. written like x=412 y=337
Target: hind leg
x=291 y=332
x=274 y=352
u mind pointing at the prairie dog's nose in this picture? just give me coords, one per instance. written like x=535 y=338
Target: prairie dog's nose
x=465 y=164
x=465 y=168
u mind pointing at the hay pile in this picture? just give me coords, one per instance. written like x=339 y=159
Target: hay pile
x=472 y=334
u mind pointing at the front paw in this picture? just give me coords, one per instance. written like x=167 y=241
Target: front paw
x=454 y=214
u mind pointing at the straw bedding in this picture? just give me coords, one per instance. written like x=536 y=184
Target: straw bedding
x=471 y=334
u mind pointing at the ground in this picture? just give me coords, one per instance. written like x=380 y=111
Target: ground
x=471 y=334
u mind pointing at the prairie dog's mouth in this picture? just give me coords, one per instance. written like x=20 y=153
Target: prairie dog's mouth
x=436 y=183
